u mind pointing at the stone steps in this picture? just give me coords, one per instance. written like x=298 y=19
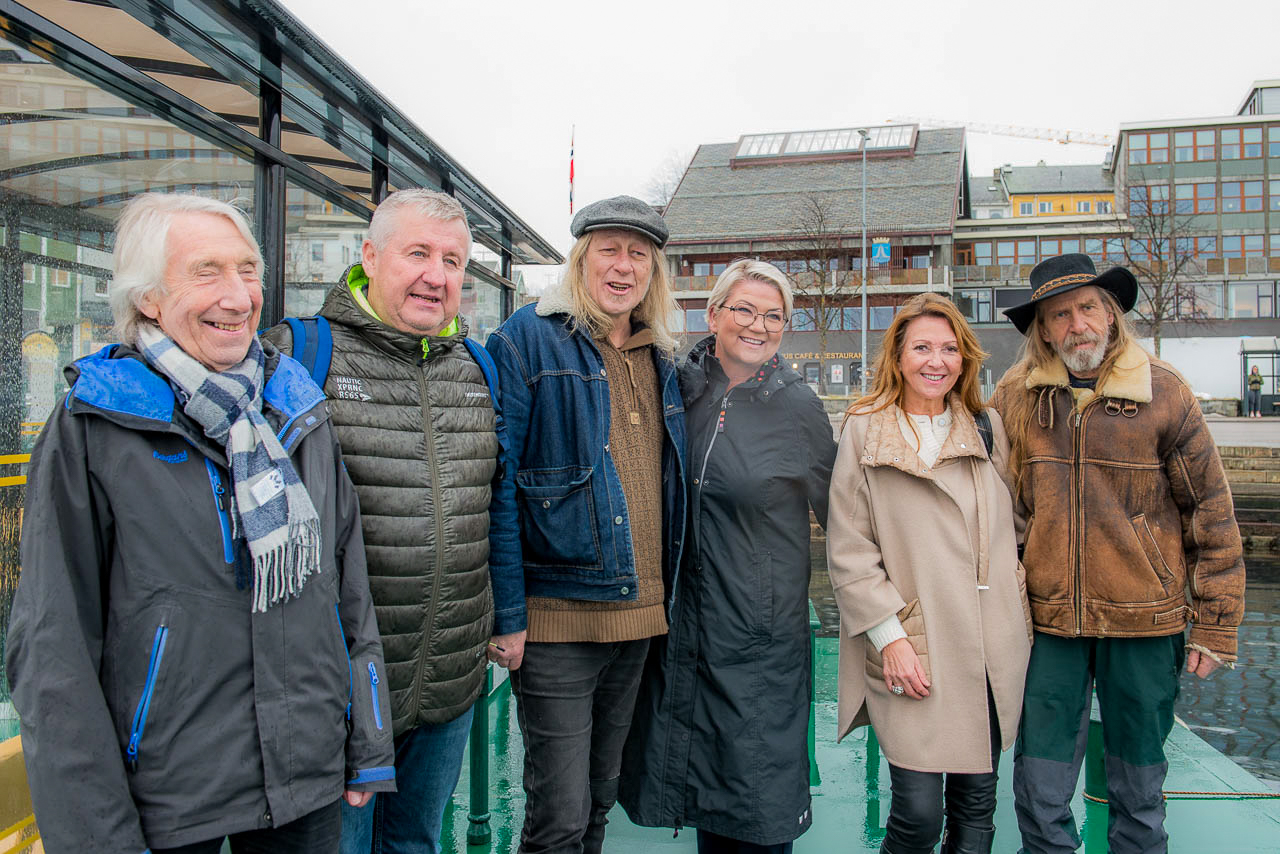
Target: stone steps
x=1250 y=465
x=1254 y=477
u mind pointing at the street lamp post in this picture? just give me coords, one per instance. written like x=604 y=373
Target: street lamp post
x=862 y=132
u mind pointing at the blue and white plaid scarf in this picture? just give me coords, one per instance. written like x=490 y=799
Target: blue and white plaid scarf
x=270 y=506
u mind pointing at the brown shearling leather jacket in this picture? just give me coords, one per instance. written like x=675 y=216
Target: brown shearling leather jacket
x=1130 y=528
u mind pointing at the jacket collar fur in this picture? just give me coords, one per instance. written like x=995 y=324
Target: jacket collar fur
x=1130 y=379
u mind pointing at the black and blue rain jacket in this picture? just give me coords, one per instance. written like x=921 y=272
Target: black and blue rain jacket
x=156 y=710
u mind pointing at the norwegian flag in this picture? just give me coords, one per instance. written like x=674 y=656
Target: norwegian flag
x=572 y=134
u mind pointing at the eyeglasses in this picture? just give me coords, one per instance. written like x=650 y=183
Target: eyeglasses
x=745 y=315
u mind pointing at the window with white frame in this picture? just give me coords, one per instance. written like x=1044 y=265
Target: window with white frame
x=1046 y=207
x=1084 y=207
x=1025 y=209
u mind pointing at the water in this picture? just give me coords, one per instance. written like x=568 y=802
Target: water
x=1236 y=711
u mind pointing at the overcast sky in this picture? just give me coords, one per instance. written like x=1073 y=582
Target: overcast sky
x=500 y=84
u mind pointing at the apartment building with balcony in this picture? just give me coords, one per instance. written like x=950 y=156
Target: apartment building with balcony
x=795 y=199
x=1198 y=194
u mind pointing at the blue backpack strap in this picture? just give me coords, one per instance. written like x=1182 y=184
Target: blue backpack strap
x=312 y=345
x=490 y=371
x=487 y=367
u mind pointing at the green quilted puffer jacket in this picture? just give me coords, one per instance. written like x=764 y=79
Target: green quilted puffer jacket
x=416 y=425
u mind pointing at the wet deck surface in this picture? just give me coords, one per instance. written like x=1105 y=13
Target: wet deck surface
x=851 y=803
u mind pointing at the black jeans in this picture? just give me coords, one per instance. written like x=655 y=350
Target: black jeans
x=915 y=813
x=315 y=833
x=714 y=843
x=574 y=702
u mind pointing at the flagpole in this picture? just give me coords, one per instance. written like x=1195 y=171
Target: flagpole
x=573 y=133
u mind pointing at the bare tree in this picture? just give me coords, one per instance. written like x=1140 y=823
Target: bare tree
x=1159 y=239
x=666 y=178
x=821 y=288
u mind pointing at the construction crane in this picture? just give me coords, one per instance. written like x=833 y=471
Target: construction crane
x=1065 y=137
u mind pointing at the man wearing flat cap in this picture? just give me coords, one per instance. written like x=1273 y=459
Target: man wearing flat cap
x=1130 y=538
x=592 y=497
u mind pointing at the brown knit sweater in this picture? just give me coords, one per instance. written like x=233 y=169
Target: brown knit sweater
x=635 y=444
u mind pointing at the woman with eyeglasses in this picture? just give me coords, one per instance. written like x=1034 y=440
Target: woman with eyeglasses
x=719 y=737
x=935 y=632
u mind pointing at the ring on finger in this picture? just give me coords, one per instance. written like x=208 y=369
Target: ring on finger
x=898 y=689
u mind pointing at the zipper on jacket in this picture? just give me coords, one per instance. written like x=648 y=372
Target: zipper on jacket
x=1077 y=534
x=219 y=498
x=351 y=677
x=428 y=437
x=719 y=428
x=144 y=703
x=373 y=689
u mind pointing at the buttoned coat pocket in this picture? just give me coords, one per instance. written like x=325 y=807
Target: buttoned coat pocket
x=558 y=517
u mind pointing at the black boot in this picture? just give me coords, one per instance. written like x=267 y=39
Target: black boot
x=967 y=839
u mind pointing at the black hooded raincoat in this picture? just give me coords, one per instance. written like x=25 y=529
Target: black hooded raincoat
x=719 y=739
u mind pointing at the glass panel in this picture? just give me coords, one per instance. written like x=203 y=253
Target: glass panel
x=975 y=305
x=321 y=241
x=1009 y=297
x=982 y=254
x=1184 y=146
x=881 y=316
x=701 y=268
x=481 y=306
x=72 y=156
x=852 y=318
x=695 y=320
x=1202 y=301
x=802 y=320
x=1252 y=142
x=1242 y=299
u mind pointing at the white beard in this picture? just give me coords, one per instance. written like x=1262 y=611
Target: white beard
x=1082 y=361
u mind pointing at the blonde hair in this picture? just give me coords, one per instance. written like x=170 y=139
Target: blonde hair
x=655 y=310
x=1019 y=402
x=889 y=386
x=745 y=269
x=142 y=251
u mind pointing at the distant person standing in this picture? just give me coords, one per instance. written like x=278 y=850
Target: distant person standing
x=1254 y=379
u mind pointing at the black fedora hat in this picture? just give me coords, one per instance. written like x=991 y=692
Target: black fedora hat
x=1062 y=273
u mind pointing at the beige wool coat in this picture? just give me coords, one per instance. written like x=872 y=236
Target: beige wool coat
x=923 y=542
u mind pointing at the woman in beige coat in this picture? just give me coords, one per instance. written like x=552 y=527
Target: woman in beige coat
x=935 y=634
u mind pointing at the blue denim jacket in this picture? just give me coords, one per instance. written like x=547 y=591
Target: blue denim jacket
x=560 y=505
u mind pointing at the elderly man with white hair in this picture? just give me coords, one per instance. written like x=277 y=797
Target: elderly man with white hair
x=420 y=437
x=193 y=596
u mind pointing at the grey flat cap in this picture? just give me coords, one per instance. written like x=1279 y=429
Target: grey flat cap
x=624 y=212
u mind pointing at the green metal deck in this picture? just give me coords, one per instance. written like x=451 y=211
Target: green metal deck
x=851 y=801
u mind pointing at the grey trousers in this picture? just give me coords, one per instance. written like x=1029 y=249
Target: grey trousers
x=574 y=702
x=1137 y=684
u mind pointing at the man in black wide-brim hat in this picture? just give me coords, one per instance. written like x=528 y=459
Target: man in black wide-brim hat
x=1130 y=538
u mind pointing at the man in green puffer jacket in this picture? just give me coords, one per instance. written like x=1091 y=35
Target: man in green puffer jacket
x=418 y=433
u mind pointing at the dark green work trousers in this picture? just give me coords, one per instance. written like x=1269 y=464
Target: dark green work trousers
x=1137 y=683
